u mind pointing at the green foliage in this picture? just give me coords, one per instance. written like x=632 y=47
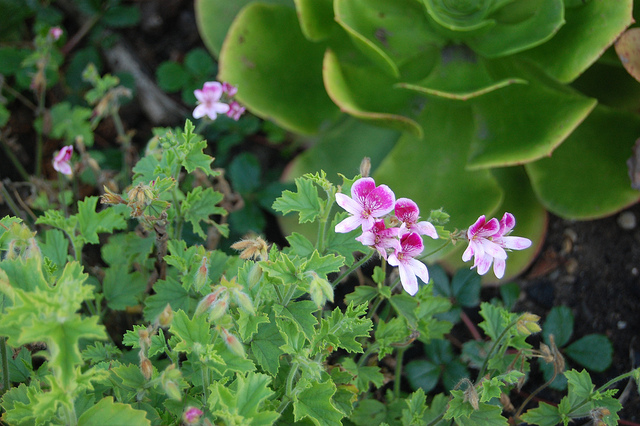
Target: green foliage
x=197 y=68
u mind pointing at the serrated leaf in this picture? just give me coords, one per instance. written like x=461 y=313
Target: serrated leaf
x=193 y=333
x=423 y=374
x=300 y=245
x=248 y=323
x=344 y=244
x=108 y=412
x=315 y=404
x=363 y=376
x=593 y=351
x=361 y=294
x=305 y=201
x=465 y=286
x=494 y=323
x=121 y=288
x=244 y=400
x=543 y=415
x=343 y=329
x=170 y=292
x=55 y=246
x=301 y=314
x=266 y=346
x=197 y=159
x=199 y=205
x=90 y=222
x=323 y=265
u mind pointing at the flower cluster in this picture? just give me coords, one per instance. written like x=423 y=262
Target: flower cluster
x=216 y=98
x=398 y=240
x=397 y=237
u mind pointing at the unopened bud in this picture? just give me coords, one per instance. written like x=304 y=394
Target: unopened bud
x=244 y=301
x=365 y=167
x=205 y=304
x=320 y=290
x=528 y=324
x=169 y=380
x=233 y=343
x=471 y=396
x=202 y=274
x=145 y=340
x=165 y=318
x=255 y=274
x=192 y=415
x=146 y=368
x=111 y=198
x=219 y=308
x=172 y=390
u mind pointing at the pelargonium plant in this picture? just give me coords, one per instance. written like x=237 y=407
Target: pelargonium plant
x=495 y=105
x=257 y=336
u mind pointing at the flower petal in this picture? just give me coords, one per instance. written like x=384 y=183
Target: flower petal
x=406 y=210
x=419 y=269
x=514 y=243
x=348 y=204
x=499 y=266
x=380 y=201
x=408 y=279
x=348 y=225
x=362 y=187
x=426 y=228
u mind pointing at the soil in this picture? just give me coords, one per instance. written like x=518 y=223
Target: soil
x=592 y=267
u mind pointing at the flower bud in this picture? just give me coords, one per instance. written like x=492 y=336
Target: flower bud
x=202 y=274
x=244 y=301
x=111 y=198
x=252 y=249
x=165 y=318
x=219 y=308
x=192 y=415
x=528 y=324
x=365 y=167
x=207 y=302
x=169 y=380
x=146 y=367
x=320 y=290
x=233 y=343
x=255 y=275
x=172 y=390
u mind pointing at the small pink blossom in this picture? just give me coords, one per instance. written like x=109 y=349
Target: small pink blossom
x=488 y=241
x=61 y=162
x=411 y=246
x=192 y=415
x=408 y=213
x=55 y=33
x=367 y=203
x=235 y=110
x=209 y=101
x=229 y=89
x=381 y=238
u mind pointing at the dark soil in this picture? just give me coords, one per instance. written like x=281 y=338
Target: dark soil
x=593 y=267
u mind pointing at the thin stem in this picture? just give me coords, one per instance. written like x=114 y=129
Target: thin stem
x=288 y=397
x=424 y=256
x=470 y=326
x=353 y=267
x=322 y=226
x=205 y=383
x=40 y=113
x=7 y=199
x=398 y=378
x=4 y=358
x=535 y=392
x=494 y=347
x=370 y=350
x=14 y=160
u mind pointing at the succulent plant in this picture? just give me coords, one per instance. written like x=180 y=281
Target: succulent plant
x=476 y=106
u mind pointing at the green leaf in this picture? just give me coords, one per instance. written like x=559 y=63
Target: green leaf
x=195 y=158
x=593 y=351
x=244 y=173
x=90 y=222
x=344 y=244
x=361 y=294
x=55 y=246
x=465 y=415
x=121 y=288
x=244 y=400
x=171 y=76
x=108 y=412
x=343 y=329
x=71 y=122
x=252 y=59
x=248 y=323
x=559 y=322
x=170 y=292
x=300 y=245
x=193 y=334
x=423 y=374
x=543 y=415
x=304 y=201
x=585 y=178
x=369 y=412
x=315 y=404
x=465 y=286
x=199 y=63
x=590 y=28
x=266 y=346
x=199 y=205
x=324 y=265
x=494 y=320
x=406 y=306
x=316 y=18
x=301 y=314
x=363 y=376
x=347 y=86
x=121 y=16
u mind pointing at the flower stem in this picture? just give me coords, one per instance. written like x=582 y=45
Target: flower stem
x=14 y=160
x=494 y=347
x=353 y=267
x=398 y=378
x=4 y=358
x=424 y=256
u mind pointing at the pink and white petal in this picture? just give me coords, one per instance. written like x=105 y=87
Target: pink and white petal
x=427 y=228
x=367 y=223
x=499 y=266
x=408 y=279
x=468 y=253
x=514 y=243
x=381 y=201
x=406 y=210
x=220 y=108
x=367 y=238
x=483 y=263
x=200 y=95
x=393 y=260
x=213 y=88
x=419 y=269
x=507 y=223
x=476 y=227
x=492 y=249
x=489 y=229
x=412 y=244
x=348 y=204
x=362 y=187
x=348 y=225
x=200 y=111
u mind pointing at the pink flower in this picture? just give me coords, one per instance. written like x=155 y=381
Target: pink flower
x=62 y=159
x=367 y=203
x=408 y=213
x=229 y=89
x=235 y=110
x=411 y=246
x=488 y=241
x=55 y=33
x=209 y=101
x=192 y=415
x=381 y=238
